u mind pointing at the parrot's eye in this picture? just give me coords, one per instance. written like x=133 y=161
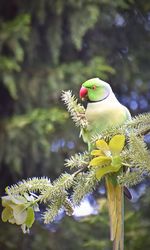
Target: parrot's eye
x=94 y=87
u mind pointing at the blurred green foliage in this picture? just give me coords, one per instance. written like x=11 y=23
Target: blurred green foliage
x=33 y=73
x=51 y=45
x=12 y=52
x=26 y=136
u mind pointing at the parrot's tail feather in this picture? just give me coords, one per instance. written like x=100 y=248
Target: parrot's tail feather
x=111 y=209
x=116 y=214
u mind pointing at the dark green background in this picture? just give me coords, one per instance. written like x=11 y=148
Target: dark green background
x=47 y=46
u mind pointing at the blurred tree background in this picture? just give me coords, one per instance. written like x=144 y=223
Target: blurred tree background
x=47 y=46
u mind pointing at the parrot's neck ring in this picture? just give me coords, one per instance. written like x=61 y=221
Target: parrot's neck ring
x=108 y=92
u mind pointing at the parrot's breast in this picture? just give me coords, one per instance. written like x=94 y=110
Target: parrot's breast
x=106 y=114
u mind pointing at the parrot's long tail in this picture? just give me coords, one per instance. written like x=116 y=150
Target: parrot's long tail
x=115 y=198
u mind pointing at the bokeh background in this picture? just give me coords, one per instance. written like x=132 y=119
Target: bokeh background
x=47 y=46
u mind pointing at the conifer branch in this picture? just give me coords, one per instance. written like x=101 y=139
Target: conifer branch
x=139 y=154
x=78 y=160
x=139 y=125
x=63 y=183
x=130 y=179
x=139 y=121
x=55 y=206
x=30 y=185
x=68 y=206
x=144 y=130
x=85 y=183
x=52 y=211
x=76 y=110
x=107 y=134
x=134 y=156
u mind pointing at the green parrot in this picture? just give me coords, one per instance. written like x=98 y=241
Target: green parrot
x=103 y=112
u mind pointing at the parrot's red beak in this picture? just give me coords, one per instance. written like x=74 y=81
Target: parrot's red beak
x=83 y=92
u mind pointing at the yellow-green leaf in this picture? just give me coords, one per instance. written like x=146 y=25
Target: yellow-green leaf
x=100 y=161
x=106 y=170
x=30 y=217
x=18 y=200
x=6 y=214
x=20 y=214
x=6 y=201
x=12 y=220
x=97 y=153
x=102 y=145
x=116 y=161
x=116 y=144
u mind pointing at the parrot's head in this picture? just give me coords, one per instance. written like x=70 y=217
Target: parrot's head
x=94 y=90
